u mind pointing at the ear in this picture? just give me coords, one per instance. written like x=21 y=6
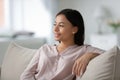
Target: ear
x=75 y=29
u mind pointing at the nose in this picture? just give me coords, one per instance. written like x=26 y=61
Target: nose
x=56 y=28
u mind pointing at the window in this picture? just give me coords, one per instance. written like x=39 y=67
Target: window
x=28 y=15
x=36 y=17
x=1 y=13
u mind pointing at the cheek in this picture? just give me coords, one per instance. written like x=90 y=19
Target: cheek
x=63 y=31
x=66 y=33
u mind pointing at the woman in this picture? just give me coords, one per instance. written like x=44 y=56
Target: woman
x=67 y=59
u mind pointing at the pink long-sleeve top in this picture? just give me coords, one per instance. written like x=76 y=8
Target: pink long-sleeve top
x=47 y=64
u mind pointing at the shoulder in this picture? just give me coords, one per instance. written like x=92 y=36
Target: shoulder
x=90 y=48
x=85 y=46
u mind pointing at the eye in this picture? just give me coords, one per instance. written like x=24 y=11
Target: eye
x=61 y=25
x=54 y=24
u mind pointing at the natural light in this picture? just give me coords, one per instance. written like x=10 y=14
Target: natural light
x=27 y=15
x=37 y=18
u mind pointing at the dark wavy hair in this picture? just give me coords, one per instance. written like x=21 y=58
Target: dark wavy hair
x=76 y=19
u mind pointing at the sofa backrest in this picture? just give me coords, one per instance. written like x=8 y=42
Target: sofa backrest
x=15 y=61
x=33 y=43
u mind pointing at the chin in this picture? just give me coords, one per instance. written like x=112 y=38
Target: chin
x=57 y=39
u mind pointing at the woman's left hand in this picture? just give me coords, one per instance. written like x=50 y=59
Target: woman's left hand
x=81 y=63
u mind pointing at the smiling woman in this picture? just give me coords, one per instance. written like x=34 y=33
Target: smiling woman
x=68 y=58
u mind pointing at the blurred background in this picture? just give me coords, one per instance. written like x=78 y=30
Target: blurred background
x=30 y=22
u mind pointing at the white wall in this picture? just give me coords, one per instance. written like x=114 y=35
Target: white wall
x=87 y=9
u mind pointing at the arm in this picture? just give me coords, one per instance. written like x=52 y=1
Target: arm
x=81 y=63
x=30 y=71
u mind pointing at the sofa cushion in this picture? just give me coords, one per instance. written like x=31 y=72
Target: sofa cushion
x=15 y=61
x=104 y=67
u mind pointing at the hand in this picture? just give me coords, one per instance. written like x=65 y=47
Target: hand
x=81 y=63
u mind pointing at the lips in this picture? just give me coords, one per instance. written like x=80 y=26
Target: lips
x=56 y=35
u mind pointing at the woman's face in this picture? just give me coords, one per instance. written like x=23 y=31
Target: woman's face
x=63 y=29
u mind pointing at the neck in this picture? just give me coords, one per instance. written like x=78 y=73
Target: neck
x=63 y=45
x=67 y=44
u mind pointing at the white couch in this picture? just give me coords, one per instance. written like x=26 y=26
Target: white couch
x=29 y=42
x=104 y=67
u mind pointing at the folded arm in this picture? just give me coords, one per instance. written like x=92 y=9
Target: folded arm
x=81 y=63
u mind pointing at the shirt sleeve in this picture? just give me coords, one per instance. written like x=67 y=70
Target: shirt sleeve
x=89 y=49
x=29 y=72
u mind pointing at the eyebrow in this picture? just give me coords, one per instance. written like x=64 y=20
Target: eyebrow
x=60 y=22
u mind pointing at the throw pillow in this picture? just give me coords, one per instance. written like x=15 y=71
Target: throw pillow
x=104 y=67
x=15 y=61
